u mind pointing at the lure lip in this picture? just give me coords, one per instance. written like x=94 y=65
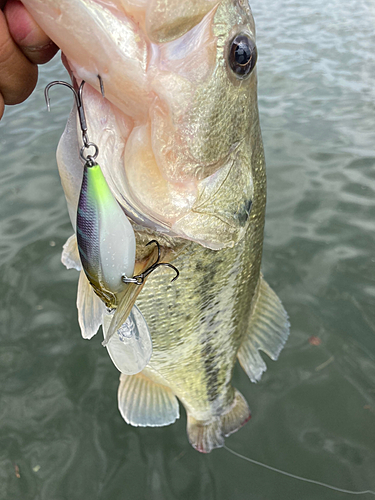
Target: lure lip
x=132 y=353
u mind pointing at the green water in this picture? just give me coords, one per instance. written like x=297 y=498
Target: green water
x=314 y=409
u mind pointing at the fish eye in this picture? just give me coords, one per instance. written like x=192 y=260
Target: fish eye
x=243 y=55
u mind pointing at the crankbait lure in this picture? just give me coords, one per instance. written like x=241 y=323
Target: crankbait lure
x=105 y=237
x=106 y=244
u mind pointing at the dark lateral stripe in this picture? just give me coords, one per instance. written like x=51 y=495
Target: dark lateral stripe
x=212 y=371
x=209 y=356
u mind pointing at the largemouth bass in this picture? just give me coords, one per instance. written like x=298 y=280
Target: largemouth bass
x=181 y=150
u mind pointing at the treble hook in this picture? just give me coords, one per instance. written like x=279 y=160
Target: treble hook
x=140 y=278
x=81 y=115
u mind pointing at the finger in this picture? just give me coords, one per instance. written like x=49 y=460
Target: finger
x=18 y=76
x=1 y=106
x=30 y=38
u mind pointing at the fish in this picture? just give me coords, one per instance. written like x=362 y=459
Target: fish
x=180 y=148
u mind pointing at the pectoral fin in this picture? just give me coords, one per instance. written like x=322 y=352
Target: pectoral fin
x=268 y=332
x=90 y=308
x=144 y=403
x=70 y=255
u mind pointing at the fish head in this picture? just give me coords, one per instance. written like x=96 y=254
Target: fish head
x=178 y=130
x=202 y=121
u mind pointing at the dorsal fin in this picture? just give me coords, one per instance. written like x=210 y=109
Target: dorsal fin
x=268 y=332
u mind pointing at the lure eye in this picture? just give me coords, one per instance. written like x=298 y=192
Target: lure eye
x=243 y=55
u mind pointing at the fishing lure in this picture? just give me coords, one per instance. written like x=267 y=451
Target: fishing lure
x=106 y=245
x=106 y=240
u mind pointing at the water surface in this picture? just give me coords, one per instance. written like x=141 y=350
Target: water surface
x=314 y=409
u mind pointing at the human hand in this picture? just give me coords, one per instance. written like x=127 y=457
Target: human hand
x=23 y=45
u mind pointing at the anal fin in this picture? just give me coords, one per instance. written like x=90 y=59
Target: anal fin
x=268 y=332
x=205 y=436
x=144 y=403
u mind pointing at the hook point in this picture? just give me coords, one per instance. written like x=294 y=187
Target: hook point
x=101 y=85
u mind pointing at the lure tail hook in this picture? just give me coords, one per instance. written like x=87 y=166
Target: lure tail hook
x=140 y=278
